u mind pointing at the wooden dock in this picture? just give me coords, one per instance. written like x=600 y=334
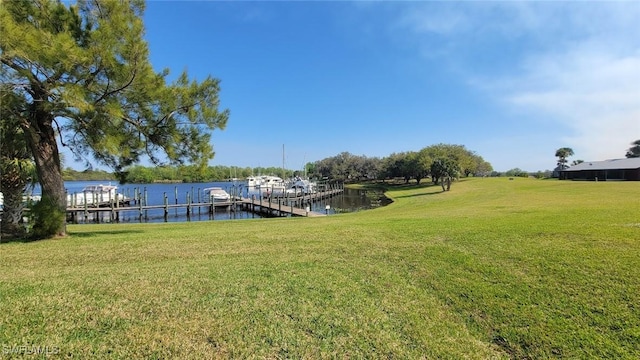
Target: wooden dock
x=73 y=213
x=289 y=205
x=279 y=208
x=272 y=206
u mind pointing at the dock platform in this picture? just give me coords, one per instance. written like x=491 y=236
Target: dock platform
x=277 y=206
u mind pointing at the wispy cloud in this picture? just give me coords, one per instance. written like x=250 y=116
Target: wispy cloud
x=575 y=64
x=588 y=82
x=440 y=19
x=594 y=93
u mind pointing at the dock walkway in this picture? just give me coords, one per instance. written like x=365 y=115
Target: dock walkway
x=277 y=208
x=273 y=206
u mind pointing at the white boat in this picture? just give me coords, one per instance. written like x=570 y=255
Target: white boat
x=301 y=187
x=217 y=194
x=266 y=185
x=263 y=180
x=95 y=195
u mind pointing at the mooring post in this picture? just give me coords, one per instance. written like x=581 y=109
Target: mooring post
x=140 y=205
x=188 y=205
x=166 y=206
x=146 y=212
x=86 y=211
x=113 y=211
x=253 y=205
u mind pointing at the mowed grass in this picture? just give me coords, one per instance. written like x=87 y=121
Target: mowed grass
x=495 y=268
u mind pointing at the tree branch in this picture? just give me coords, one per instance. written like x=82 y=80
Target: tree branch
x=109 y=93
x=59 y=130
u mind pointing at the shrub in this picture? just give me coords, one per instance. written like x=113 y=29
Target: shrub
x=46 y=218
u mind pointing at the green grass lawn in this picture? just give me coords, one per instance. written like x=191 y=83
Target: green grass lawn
x=495 y=268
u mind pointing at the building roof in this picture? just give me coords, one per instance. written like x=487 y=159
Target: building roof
x=613 y=164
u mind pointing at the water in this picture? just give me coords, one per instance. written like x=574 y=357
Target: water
x=349 y=201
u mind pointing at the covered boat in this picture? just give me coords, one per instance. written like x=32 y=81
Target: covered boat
x=96 y=195
x=217 y=194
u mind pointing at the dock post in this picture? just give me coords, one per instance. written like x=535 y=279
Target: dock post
x=140 y=205
x=113 y=211
x=192 y=198
x=199 y=207
x=188 y=206
x=166 y=206
x=146 y=212
x=86 y=211
x=253 y=205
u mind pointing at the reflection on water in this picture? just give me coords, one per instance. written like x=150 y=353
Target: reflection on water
x=350 y=200
x=357 y=199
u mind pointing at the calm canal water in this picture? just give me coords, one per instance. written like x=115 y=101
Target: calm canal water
x=350 y=201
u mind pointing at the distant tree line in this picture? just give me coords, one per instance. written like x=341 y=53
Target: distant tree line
x=450 y=160
x=193 y=173
x=187 y=173
x=70 y=174
x=435 y=161
x=410 y=165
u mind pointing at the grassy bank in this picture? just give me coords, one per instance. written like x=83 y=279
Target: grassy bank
x=493 y=269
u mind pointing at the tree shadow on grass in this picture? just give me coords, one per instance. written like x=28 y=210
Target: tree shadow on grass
x=90 y=234
x=415 y=187
x=419 y=195
x=7 y=239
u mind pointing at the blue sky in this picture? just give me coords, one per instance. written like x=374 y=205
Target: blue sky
x=513 y=81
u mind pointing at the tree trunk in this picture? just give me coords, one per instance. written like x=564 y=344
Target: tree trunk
x=44 y=147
